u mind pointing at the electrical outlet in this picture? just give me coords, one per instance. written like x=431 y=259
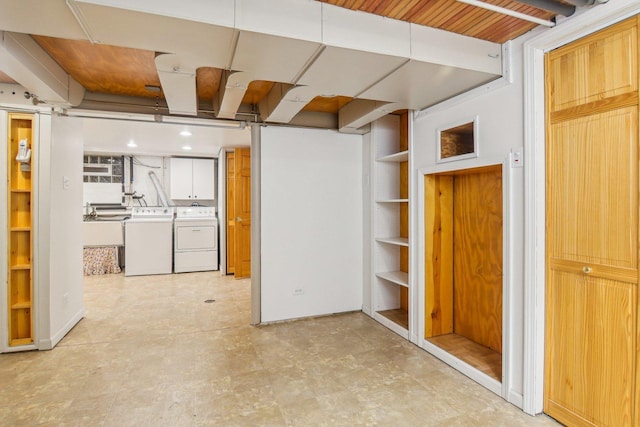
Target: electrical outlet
x=298 y=291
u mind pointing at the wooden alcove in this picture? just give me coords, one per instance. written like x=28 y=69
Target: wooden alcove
x=463 y=265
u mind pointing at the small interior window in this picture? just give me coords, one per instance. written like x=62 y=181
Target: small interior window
x=458 y=142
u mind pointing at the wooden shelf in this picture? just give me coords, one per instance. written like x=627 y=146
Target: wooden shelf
x=390 y=207
x=21 y=305
x=398 y=277
x=402 y=156
x=398 y=241
x=480 y=357
x=392 y=201
x=20 y=241
x=399 y=316
x=20 y=341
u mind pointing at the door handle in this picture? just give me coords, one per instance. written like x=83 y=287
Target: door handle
x=586 y=270
x=238 y=219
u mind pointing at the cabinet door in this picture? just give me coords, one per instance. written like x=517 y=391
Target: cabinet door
x=181 y=179
x=204 y=180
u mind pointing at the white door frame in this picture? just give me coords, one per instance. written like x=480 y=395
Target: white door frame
x=589 y=21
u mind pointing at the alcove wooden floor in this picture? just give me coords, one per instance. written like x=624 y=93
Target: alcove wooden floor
x=480 y=357
x=397 y=315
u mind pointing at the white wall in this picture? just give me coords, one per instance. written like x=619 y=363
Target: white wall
x=500 y=113
x=312 y=209
x=59 y=239
x=142 y=183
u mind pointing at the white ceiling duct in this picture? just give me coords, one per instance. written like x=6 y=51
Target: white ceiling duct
x=178 y=81
x=22 y=59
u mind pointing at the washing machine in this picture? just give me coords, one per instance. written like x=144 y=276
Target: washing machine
x=195 y=239
x=148 y=240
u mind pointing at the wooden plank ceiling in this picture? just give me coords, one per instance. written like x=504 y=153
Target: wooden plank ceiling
x=451 y=15
x=130 y=72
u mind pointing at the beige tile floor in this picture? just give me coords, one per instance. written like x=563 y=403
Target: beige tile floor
x=151 y=352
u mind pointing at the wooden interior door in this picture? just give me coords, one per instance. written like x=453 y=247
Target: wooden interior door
x=592 y=229
x=242 y=229
x=231 y=213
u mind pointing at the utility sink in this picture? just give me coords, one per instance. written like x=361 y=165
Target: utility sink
x=103 y=233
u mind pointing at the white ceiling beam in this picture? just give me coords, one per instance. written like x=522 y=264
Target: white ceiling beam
x=48 y=18
x=215 y=12
x=294 y=19
x=22 y=59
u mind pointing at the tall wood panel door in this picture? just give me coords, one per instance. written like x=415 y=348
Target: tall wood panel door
x=242 y=167
x=591 y=340
x=231 y=213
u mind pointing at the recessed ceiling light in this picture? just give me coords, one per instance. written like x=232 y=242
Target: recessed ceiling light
x=186 y=147
x=185 y=133
x=132 y=144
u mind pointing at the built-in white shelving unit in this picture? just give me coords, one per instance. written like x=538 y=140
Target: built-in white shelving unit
x=390 y=245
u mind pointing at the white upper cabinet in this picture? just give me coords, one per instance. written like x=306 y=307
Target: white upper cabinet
x=191 y=179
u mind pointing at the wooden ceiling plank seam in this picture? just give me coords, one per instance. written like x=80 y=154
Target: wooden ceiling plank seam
x=512 y=28
x=391 y=8
x=486 y=20
x=356 y=5
x=474 y=23
x=400 y=9
x=459 y=21
x=522 y=8
x=445 y=12
x=489 y=29
x=419 y=11
x=453 y=14
x=492 y=24
x=467 y=24
x=432 y=10
x=371 y=6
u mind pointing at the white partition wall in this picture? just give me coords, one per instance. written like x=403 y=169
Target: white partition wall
x=312 y=223
x=60 y=280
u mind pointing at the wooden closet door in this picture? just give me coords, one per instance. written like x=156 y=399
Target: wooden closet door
x=592 y=229
x=243 y=212
x=231 y=213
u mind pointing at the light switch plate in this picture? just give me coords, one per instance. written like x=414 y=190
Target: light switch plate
x=517 y=159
